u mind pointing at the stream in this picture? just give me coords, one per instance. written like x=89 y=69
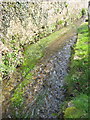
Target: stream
x=51 y=91
x=44 y=96
x=55 y=81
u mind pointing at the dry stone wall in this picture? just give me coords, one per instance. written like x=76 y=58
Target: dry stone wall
x=23 y=23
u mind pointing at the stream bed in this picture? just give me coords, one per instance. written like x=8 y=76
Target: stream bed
x=44 y=94
x=55 y=81
x=52 y=92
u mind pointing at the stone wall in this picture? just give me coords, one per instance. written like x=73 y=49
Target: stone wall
x=23 y=23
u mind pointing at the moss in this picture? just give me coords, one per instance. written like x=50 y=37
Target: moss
x=79 y=108
x=72 y=112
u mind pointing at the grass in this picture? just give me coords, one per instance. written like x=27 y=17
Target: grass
x=17 y=98
x=35 y=52
x=77 y=80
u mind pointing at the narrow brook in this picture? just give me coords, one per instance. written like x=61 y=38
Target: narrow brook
x=55 y=81
x=52 y=92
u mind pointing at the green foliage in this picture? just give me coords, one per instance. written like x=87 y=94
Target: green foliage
x=78 y=75
x=79 y=108
x=66 y=4
x=77 y=80
x=58 y=10
x=18 y=98
x=55 y=114
x=72 y=112
x=52 y=28
x=8 y=66
x=81 y=103
x=9 y=62
x=11 y=58
x=60 y=22
x=83 y=11
x=83 y=29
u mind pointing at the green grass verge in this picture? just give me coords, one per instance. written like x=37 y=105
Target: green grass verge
x=77 y=80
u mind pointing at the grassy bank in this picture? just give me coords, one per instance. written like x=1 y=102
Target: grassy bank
x=33 y=53
x=77 y=79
